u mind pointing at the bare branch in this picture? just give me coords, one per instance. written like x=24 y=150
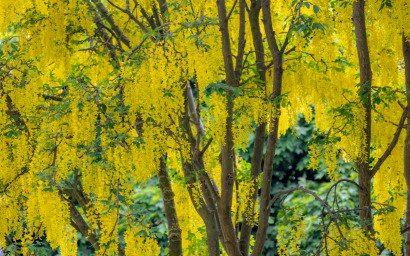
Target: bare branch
x=148 y=18
x=206 y=146
x=107 y=41
x=241 y=40
x=331 y=213
x=352 y=210
x=392 y=144
x=285 y=44
x=162 y=6
x=337 y=183
x=133 y=18
x=290 y=50
x=108 y=17
x=25 y=170
x=51 y=97
x=405 y=230
x=78 y=222
x=37 y=232
x=284 y=192
x=136 y=49
x=230 y=12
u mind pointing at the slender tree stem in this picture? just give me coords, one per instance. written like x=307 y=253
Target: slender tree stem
x=365 y=88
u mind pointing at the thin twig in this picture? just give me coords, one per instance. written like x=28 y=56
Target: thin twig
x=137 y=47
x=271 y=202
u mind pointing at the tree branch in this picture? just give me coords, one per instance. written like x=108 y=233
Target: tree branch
x=194 y=112
x=25 y=170
x=51 y=97
x=80 y=225
x=227 y=165
x=212 y=228
x=267 y=21
x=206 y=146
x=241 y=40
x=392 y=144
x=230 y=12
x=133 y=18
x=103 y=34
x=331 y=213
x=108 y=17
x=285 y=44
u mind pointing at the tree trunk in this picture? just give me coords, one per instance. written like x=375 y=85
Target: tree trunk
x=227 y=181
x=212 y=231
x=174 y=232
x=406 y=171
x=227 y=173
x=277 y=55
x=256 y=162
x=264 y=213
x=78 y=222
x=365 y=88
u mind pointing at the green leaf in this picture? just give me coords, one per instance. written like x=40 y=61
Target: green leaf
x=103 y=107
x=318 y=26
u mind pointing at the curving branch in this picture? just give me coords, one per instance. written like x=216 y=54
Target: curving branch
x=338 y=182
x=392 y=144
x=307 y=191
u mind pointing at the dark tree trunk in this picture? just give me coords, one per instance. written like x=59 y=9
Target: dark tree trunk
x=277 y=55
x=406 y=171
x=365 y=88
x=256 y=162
x=227 y=173
x=264 y=212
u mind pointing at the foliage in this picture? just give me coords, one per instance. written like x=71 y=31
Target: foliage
x=98 y=97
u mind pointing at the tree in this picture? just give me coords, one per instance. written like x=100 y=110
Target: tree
x=100 y=96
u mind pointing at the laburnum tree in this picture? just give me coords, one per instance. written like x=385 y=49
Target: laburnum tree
x=99 y=96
